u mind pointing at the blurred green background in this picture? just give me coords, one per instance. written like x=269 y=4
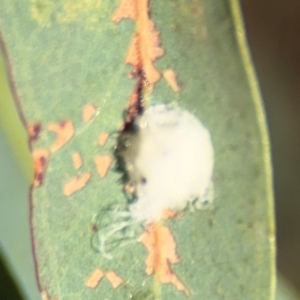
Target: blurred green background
x=273 y=29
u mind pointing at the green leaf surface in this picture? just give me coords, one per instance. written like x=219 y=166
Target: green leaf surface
x=66 y=54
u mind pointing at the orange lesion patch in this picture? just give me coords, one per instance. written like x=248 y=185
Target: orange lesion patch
x=145 y=46
x=171 y=78
x=41 y=158
x=114 y=279
x=77 y=160
x=103 y=163
x=76 y=183
x=102 y=138
x=88 y=112
x=97 y=275
x=64 y=130
x=161 y=247
x=94 y=278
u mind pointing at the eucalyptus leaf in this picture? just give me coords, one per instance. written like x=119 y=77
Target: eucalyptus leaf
x=66 y=54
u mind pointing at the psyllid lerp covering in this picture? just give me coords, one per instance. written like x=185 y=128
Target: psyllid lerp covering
x=169 y=159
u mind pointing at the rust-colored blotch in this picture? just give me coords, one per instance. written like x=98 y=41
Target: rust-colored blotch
x=76 y=183
x=77 y=160
x=41 y=158
x=33 y=131
x=171 y=78
x=64 y=130
x=133 y=105
x=103 y=163
x=94 y=278
x=102 y=138
x=161 y=247
x=114 y=279
x=88 y=112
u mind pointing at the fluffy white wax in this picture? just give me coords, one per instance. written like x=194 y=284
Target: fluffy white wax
x=174 y=158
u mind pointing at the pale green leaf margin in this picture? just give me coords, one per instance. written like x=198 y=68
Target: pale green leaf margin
x=256 y=96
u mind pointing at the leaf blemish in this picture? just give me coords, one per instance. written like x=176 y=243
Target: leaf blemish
x=171 y=78
x=77 y=160
x=76 y=183
x=102 y=138
x=88 y=112
x=161 y=247
x=103 y=163
x=167 y=146
x=145 y=45
x=94 y=278
x=41 y=158
x=34 y=131
x=64 y=130
x=97 y=275
x=114 y=279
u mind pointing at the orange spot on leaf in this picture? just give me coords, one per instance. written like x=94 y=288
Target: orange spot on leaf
x=145 y=45
x=76 y=183
x=94 y=278
x=88 y=112
x=161 y=247
x=133 y=56
x=102 y=138
x=41 y=158
x=114 y=279
x=103 y=163
x=77 y=161
x=171 y=78
x=65 y=131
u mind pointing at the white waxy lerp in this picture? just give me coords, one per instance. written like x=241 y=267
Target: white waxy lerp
x=172 y=162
